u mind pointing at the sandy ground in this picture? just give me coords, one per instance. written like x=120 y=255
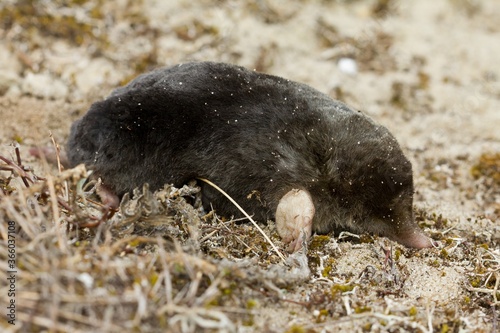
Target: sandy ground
x=428 y=70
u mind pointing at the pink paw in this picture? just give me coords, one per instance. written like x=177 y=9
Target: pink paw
x=294 y=216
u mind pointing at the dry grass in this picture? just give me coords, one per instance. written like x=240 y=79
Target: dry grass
x=159 y=264
x=141 y=270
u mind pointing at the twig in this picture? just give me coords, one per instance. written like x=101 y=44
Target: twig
x=430 y=312
x=14 y=168
x=59 y=166
x=56 y=147
x=224 y=225
x=247 y=216
x=494 y=314
x=346 y=234
x=390 y=319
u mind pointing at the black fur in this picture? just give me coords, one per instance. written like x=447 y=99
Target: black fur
x=248 y=132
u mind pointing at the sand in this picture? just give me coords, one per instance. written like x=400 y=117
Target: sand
x=428 y=70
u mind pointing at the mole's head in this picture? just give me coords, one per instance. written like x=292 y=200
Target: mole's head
x=385 y=198
x=369 y=186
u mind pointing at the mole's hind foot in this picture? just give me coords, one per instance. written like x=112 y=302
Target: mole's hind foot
x=294 y=216
x=50 y=155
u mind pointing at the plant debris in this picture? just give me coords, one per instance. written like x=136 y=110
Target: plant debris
x=161 y=263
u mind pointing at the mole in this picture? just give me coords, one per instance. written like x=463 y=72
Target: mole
x=281 y=149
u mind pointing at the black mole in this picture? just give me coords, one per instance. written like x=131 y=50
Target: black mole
x=281 y=149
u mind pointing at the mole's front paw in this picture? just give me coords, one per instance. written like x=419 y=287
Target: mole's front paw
x=294 y=216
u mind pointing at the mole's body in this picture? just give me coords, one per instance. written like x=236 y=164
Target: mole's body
x=251 y=133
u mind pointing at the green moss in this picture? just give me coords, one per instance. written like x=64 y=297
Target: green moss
x=162 y=320
x=366 y=239
x=227 y=291
x=434 y=263
x=445 y=328
x=321 y=318
x=397 y=254
x=34 y=17
x=318 y=242
x=362 y=309
x=214 y=302
x=251 y=304
x=194 y=30
x=382 y=8
x=179 y=269
x=153 y=278
x=423 y=80
x=248 y=321
x=329 y=266
x=326 y=271
x=487 y=166
x=413 y=311
x=484 y=246
x=439 y=220
x=341 y=288
x=397 y=98
x=296 y=329
x=78 y=2
x=17 y=138
x=448 y=242
x=5 y=187
x=475 y=281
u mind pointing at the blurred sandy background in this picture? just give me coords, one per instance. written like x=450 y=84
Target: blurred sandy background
x=428 y=70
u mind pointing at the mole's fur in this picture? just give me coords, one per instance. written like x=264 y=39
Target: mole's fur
x=250 y=133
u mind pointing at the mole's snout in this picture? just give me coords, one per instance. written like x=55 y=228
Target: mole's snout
x=412 y=237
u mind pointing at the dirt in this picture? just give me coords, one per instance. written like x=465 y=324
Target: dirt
x=427 y=70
